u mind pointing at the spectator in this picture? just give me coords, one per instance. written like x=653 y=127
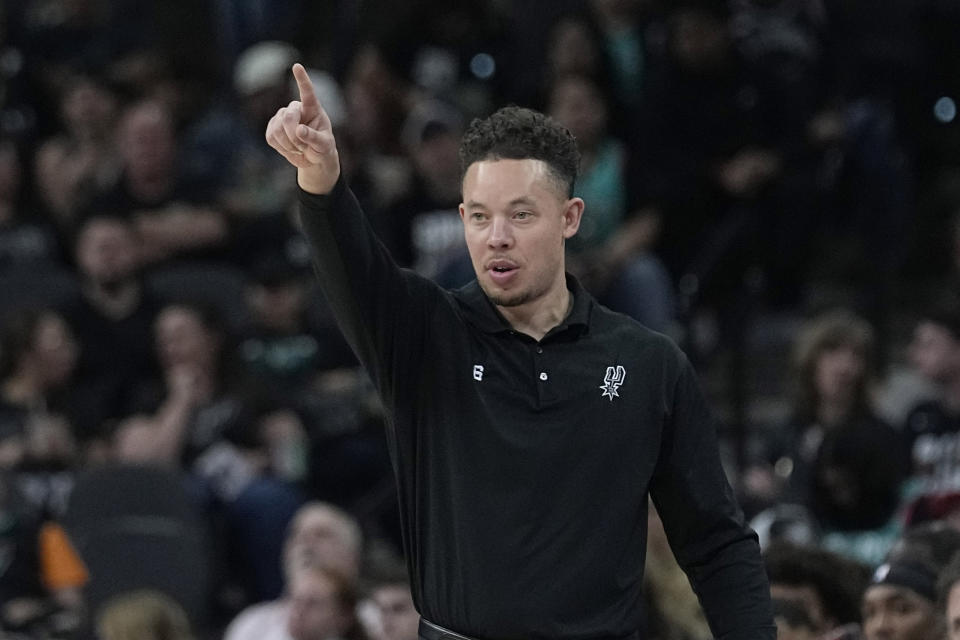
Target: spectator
x=172 y=212
x=255 y=184
x=900 y=603
x=320 y=536
x=388 y=589
x=833 y=360
x=113 y=317
x=322 y=606
x=423 y=228
x=709 y=156
x=37 y=404
x=143 y=615
x=824 y=586
x=287 y=348
x=81 y=160
x=933 y=426
x=26 y=240
x=612 y=252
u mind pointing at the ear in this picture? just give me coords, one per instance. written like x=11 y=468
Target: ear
x=462 y=211
x=571 y=216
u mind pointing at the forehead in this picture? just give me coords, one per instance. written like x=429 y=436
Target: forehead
x=879 y=594
x=487 y=182
x=318 y=521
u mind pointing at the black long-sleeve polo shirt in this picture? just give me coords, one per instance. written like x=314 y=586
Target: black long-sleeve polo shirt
x=523 y=467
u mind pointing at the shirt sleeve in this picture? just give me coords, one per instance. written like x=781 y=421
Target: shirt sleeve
x=381 y=309
x=704 y=525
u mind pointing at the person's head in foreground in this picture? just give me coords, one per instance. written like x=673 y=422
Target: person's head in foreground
x=900 y=603
x=519 y=168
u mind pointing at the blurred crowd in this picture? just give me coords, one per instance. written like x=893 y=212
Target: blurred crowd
x=188 y=448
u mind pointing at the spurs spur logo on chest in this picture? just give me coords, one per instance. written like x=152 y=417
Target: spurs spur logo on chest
x=612 y=382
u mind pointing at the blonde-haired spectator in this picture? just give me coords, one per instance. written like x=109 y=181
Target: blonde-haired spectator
x=143 y=615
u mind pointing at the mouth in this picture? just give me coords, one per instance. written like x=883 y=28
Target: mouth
x=501 y=271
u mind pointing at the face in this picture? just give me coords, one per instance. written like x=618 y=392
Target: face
x=316 y=611
x=935 y=352
x=577 y=105
x=398 y=615
x=54 y=350
x=182 y=339
x=107 y=251
x=515 y=220
x=278 y=307
x=807 y=598
x=320 y=536
x=838 y=373
x=897 y=613
x=572 y=48
x=699 y=40
x=88 y=108
x=147 y=140
x=953 y=613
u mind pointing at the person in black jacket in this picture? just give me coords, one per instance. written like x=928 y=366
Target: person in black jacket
x=527 y=423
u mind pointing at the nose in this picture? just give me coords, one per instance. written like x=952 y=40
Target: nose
x=500 y=236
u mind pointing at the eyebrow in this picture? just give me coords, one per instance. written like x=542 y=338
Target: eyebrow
x=515 y=201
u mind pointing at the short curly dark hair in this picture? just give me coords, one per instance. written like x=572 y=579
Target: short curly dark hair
x=518 y=133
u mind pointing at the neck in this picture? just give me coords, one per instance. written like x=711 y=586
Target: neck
x=537 y=318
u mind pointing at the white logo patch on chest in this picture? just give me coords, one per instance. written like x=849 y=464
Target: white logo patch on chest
x=612 y=382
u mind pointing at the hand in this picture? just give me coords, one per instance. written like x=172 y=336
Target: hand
x=301 y=133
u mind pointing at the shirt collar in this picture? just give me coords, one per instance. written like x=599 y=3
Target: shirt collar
x=483 y=314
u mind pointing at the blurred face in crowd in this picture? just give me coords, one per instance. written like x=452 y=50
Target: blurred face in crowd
x=278 y=306
x=147 y=141
x=576 y=104
x=516 y=219
x=897 y=613
x=108 y=251
x=838 y=373
x=953 y=612
x=88 y=108
x=317 y=609
x=398 y=616
x=54 y=351
x=935 y=352
x=324 y=537
x=436 y=159
x=572 y=48
x=699 y=40
x=807 y=598
x=183 y=339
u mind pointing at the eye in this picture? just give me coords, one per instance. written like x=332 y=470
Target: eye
x=477 y=216
x=522 y=215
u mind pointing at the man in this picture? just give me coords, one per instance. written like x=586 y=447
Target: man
x=113 y=317
x=900 y=603
x=388 y=591
x=526 y=446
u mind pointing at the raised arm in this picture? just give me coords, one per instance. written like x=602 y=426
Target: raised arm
x=301 y=133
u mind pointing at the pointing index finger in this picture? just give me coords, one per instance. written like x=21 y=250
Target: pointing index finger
x=308 y=98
